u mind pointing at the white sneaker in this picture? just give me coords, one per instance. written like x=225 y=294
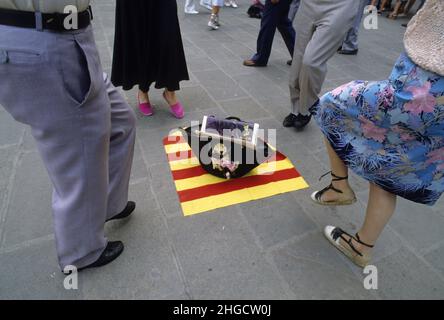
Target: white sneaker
x=191 y=12
x=231 y=3
x=213 y=23
x=205 y=4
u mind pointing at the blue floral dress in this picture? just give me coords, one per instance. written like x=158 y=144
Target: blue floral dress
x=390 y=132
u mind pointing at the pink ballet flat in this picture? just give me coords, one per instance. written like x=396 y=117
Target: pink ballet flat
x=146 y=109
x=177 y=110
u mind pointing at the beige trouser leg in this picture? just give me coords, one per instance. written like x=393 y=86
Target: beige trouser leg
x=320 y=29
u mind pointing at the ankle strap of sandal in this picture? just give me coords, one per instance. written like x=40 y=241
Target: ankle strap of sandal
x=330 y=187
x=358 y=239
x=338 y=233
x=335 y=177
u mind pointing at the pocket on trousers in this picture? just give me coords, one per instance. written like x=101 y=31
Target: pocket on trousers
x=17 y=56
x=75 y=73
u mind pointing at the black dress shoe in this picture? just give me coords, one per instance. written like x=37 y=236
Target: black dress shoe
x=130 y=207
x=348 y=52
x=289 y=120
x=112 y=251
x=301 y=121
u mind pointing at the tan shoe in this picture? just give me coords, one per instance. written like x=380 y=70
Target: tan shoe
x=317 y=195
x=335 y=235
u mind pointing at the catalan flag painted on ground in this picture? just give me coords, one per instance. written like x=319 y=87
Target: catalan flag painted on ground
x=200 y=191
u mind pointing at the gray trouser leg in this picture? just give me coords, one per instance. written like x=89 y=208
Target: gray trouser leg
x=84 y=131
x=304 y=26
x=351 y=39
x=321 y=27
x=122 y=138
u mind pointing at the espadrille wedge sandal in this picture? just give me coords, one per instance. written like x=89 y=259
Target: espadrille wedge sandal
x=335 y=235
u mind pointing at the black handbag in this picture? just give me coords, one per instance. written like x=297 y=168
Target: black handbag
x=226 y=157
x=256 y=11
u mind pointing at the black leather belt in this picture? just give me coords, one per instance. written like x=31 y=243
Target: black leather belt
x=44 y=21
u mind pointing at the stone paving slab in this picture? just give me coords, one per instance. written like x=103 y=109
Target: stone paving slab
x=268 y=249
x=221 y=259
x=28 y=215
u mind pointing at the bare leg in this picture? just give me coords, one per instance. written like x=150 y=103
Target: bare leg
x=380 y=208
x=339 y=169
x=373 y=4
x=383 y=5
x=396 y=10
x=214 y=18
x=143 y=97
x=402 y=10
x=215 y=10
x=170 y=97
x=337 y=165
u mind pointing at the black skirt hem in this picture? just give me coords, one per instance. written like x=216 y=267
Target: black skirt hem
x=146 y=88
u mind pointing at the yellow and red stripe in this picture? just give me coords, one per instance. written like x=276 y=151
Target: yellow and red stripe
x=200 y=191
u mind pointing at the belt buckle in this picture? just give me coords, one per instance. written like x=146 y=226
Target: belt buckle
x=55 y=21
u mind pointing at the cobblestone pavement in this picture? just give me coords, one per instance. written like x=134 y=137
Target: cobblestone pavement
x=268 y=249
